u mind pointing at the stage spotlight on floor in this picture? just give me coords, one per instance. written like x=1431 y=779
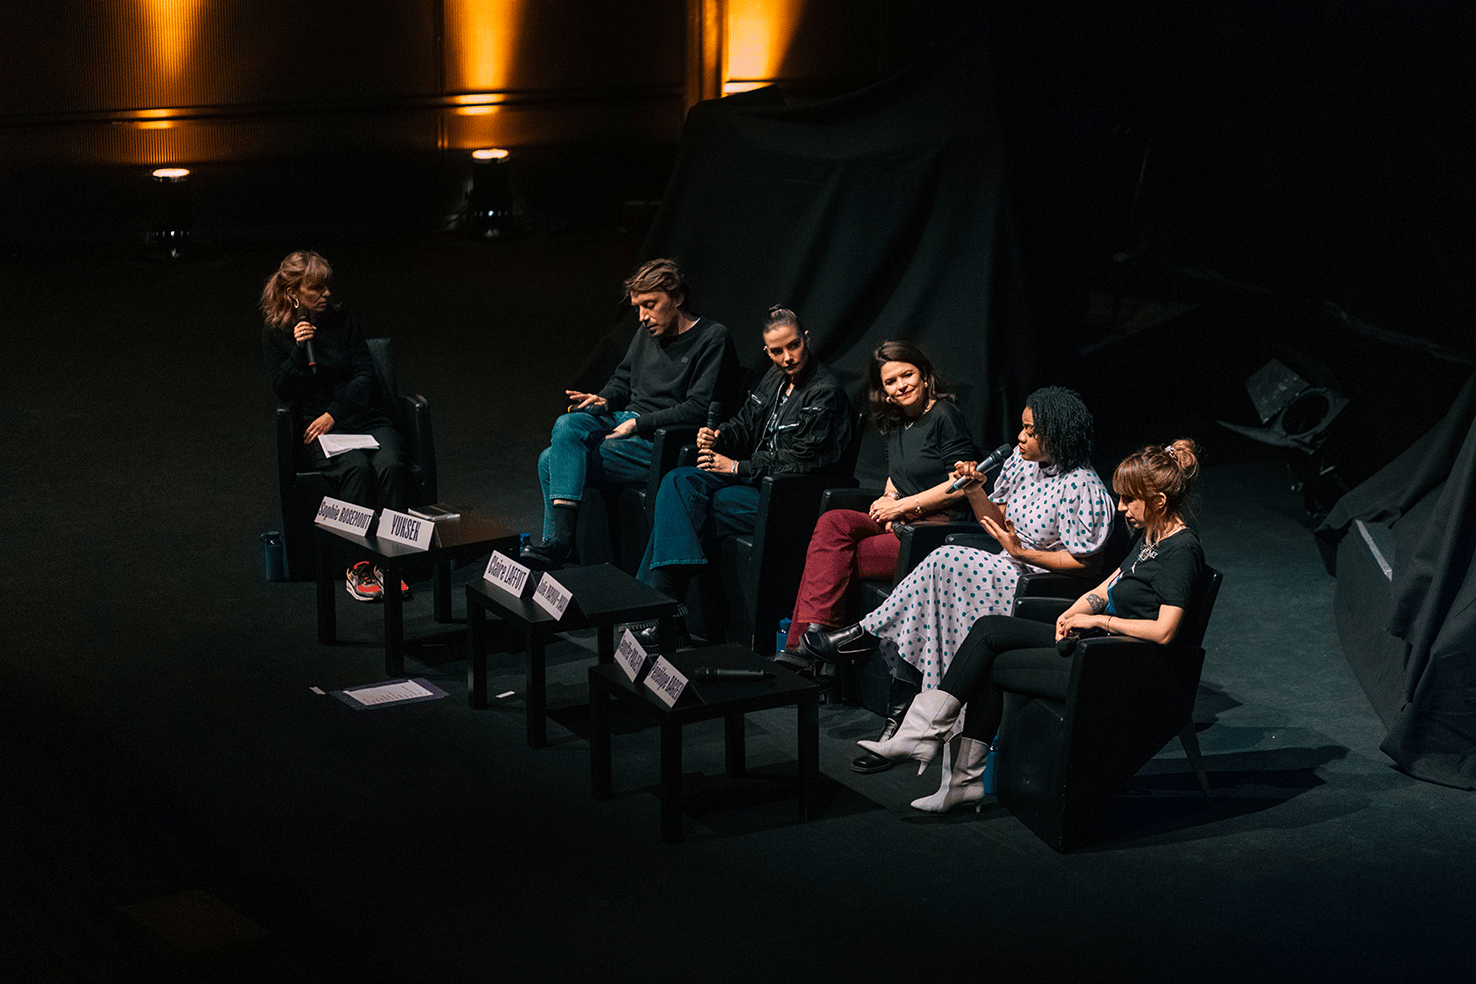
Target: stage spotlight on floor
x=490 y=206
x=169 y=222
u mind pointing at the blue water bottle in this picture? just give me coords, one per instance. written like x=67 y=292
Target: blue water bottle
x=783 y=637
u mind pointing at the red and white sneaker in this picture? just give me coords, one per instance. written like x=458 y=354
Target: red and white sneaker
x=362 y=582
x=404 y=588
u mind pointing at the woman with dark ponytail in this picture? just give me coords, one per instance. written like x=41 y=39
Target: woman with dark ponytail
x=1144 y=599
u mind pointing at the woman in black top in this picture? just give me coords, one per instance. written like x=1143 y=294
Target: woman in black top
x=926 y=437
x=318 y=363
x=1144 y=599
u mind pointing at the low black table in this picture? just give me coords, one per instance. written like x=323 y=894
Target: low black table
x=461 y=538
x=727 y=699
x=604 y=596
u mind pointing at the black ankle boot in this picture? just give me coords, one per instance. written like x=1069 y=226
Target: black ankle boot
x=546 y=556
x=839 y=645
x=899 y=699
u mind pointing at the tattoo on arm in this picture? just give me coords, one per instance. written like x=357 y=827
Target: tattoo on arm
x=1097 y=603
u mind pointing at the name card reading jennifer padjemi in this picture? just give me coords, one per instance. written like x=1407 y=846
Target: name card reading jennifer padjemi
x=666 y=681
x=407 y=529
x=552 y=596
x=631 y=656
x=339 y=515
x=506 y=574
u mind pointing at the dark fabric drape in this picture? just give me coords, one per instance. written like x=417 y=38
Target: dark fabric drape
x=1434 y=592
x=876 y=215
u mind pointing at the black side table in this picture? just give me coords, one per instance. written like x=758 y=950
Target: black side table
x=465 y=537
x=727 y=699
x=604 y=596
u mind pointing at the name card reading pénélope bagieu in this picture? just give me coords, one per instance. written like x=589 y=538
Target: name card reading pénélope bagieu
x=507 y=574
x=631 y=656
x=407 y=529
x=339 y=515
x=552 y=596
x=666 y=681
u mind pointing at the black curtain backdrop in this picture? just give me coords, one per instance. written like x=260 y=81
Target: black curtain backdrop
x=1433 y=736
x=877 y=215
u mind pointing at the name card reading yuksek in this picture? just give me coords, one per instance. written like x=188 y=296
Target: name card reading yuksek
x=339 y=515
x=552 y=596
x=407 y=529
x=506 y=574
x=666 y=681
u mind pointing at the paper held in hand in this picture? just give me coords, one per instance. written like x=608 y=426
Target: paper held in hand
x=336 y=444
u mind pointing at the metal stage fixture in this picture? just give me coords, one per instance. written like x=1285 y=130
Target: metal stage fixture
x=170 y=218
x=489 y=207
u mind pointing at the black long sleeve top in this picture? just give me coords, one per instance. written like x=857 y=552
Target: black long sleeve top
x=671 y=381
x=343 y=385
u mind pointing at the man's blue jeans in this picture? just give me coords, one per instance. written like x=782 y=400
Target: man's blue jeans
x=692 y=506
x=578 y=455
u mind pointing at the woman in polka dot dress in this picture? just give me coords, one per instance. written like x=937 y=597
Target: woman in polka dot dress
x=1048 y=510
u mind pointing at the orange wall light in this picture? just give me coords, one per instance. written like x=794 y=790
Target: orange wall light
x=759 y=34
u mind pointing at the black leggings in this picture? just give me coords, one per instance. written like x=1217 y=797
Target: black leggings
x=1004 y=653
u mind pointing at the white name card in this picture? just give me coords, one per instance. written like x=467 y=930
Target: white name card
x=339 y=515
x=407 y=529
x=631 y=656
x=552 y=596
x=666 y=681
x=508 y=575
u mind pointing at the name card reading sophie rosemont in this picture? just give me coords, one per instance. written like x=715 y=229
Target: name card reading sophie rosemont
x=339 y=515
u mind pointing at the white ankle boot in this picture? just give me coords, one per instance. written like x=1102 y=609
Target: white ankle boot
x=963 y=771
x=928 y=719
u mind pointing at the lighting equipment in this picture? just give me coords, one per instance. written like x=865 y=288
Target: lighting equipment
x=169 y=223
x=489 y=207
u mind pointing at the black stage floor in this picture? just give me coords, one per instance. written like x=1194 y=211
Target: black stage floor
x=180 y=804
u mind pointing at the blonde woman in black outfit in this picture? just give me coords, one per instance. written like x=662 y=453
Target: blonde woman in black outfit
x=318 y=362
x=1144 y=599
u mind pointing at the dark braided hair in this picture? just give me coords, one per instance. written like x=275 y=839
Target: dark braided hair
x=1063 y=425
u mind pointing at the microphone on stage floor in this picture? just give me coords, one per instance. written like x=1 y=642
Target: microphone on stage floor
x=717 y=673
x=995 y=459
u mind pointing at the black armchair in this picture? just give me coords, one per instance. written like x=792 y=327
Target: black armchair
x=301 y=489
x=615 y=521
x=1058 y=764
x=751 y=580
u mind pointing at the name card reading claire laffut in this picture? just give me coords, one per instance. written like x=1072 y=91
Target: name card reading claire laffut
x=666 y=681
x=631 y=656
x=507 y=574
x=407 y=529
x=339 y=515
x=552 y=596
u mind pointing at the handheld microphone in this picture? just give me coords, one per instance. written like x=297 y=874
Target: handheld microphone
x=995 y=459
x=714 y=413
x=307 y=315
x=716 y=673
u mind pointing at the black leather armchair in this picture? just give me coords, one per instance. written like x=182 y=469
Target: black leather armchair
x=301 y=489
x=1058 y=764
x=751 y=580
x=615 y=520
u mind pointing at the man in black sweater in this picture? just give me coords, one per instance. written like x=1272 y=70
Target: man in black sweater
x=676 y=365
x=796 y=421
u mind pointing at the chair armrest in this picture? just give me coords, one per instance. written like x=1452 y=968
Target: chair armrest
x=420 y=441
x=920 y=539
x=847 y=497
x=1053 y=584
x=666 y=453
x=1040 y=609
x=286 y=450
x=975 y=539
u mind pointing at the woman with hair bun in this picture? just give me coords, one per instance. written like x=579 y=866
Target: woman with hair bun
x=1144 y=599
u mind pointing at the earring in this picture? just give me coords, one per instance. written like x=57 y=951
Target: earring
x=294 y=303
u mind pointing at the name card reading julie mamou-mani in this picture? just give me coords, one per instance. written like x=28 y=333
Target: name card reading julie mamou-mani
x=339 y=515
x=407 y=529
x=666 y=681
x=507 y=574
x=552 y=596
x=631 y=656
